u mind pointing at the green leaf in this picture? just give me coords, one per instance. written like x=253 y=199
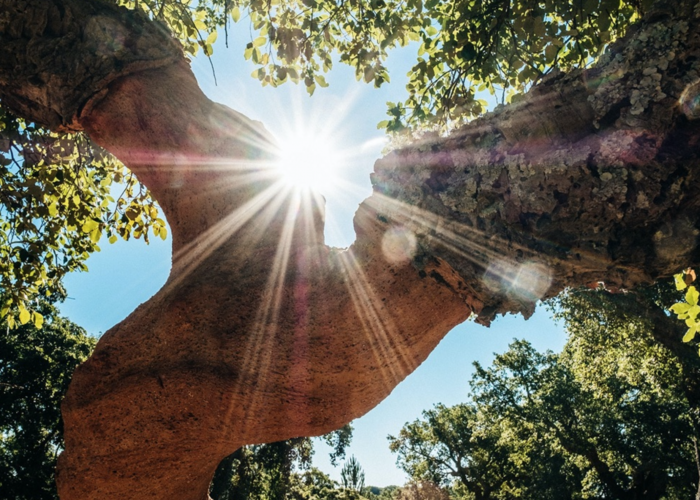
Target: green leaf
x=259 y=42
x=691 y=297
x=211 y=38
x=550 y=52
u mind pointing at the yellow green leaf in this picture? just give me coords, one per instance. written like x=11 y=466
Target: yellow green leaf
x=694 y=311
x=24 y=315
x=321 y=81
x=235 y=14
x=691 y=297
x=38 y=320
x=89 y=226
x=211 y=38
x=690 y=335
x=680 y=308
x=680 y=282
x=259 y=42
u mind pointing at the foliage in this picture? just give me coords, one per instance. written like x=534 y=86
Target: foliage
x=35 y=368
x=689 y=310
x=421 y=491
x=315 y=485
x=386 y=493
x=478 y=454
x=352 y=476
x=463 y=47
x=338 y=440
x=276 y=470
x=55 y=201
x=55 y=204
x=609 y=417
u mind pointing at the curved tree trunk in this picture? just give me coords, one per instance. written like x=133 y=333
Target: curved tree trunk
x=263 y=333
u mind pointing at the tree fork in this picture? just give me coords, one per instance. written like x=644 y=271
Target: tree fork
x=263 y=333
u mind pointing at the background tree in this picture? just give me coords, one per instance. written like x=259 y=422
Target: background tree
x=609 y=417
x=36 y=365
x=477 y=454
x=277 y=471
x=421 y=491
x=352 y=476
x=631 y=440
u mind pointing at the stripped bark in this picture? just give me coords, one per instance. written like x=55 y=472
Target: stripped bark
x=263 y=333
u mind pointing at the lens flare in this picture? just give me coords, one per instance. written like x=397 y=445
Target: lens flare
x=399 y=245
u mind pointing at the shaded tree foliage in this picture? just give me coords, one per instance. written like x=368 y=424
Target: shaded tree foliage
x=276 y=471
x=35 y=368
x=612 y=416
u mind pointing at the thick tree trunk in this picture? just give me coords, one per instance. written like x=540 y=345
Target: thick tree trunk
x=263 y=333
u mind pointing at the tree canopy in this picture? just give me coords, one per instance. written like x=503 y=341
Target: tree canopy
x=58 y=195
x=609 y=417
x=463 y=47
x=36 y=365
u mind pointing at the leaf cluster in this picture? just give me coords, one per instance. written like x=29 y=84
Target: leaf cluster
x=36 y=366
x=689 y=310
x=280 y=470
x=464 y=48
x=609 y=417
x=56 y=202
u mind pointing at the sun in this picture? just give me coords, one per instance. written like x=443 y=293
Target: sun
x=309 y=160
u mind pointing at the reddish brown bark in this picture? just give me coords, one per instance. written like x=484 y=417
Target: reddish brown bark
x=262 y=332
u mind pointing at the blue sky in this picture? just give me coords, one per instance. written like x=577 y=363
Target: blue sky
x=126 y=274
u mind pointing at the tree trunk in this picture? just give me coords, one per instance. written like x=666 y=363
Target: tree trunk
x=263 y=333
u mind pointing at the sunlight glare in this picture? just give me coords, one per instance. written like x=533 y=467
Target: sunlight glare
x=309 y=160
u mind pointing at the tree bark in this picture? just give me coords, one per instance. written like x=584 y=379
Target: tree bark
x=263 y=333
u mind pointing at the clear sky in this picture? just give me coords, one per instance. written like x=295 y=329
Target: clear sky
x=125 y=274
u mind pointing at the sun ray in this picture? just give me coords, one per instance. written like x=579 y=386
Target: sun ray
x=378 y=326
x=262 y=206
x=258 y=352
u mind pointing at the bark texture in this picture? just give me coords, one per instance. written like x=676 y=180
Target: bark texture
x=263 y=333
